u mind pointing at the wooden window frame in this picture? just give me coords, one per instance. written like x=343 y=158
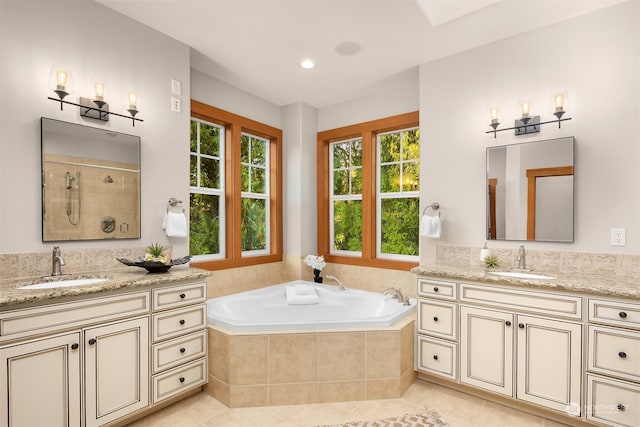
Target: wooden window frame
x=234 y=126
x=368 y=132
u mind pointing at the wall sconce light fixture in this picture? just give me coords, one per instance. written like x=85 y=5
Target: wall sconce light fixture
x=97 y=108
x=526 y=123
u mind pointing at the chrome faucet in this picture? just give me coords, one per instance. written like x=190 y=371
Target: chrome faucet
x=521 y=259
x=57 y=261
x=340 y=285
x=395 y=293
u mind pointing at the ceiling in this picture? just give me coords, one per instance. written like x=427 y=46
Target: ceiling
x=257 y=45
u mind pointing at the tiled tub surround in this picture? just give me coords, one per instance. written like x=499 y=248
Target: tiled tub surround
x=284 y=368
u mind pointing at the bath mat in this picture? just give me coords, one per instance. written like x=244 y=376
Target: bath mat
x=428 y=419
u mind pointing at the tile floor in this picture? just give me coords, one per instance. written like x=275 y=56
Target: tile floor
x=458 y=409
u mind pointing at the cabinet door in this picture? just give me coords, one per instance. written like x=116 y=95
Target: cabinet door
x=550 y=363
x=116 y=370
x=41 y=383
x=486 y=349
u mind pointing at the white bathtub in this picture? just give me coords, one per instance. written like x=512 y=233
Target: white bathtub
x=266 y=309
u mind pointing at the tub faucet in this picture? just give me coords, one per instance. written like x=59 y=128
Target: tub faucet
x=57 y=261
x=340 y=285
x=521 y=259
x=395 y=293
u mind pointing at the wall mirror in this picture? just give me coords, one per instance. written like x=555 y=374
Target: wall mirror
x=90 y=183
x=530 y=191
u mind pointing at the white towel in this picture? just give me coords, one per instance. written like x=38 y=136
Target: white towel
x=304 y=289
x=431 y=226
x=293 y=298
x=175 y=224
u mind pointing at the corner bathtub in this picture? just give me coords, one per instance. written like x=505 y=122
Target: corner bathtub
x=266 y=309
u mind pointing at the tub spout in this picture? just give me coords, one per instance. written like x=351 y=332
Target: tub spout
x=334 y=278
x=395 y=293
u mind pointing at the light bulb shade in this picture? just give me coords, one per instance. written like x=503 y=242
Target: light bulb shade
x=525 y=108
x=61 y=81
x=558 y=101
x=133 y=101
x=99 y=91
x=494 y=112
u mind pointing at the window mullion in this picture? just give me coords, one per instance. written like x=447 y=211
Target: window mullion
x=368 y=195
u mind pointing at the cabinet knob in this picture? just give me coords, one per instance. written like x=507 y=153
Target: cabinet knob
x=622 y=314
x=183 y=296
x=74 y=346
x=435 y=318
x=620 y=407
x=182 y=350
x=182 y=322
x=435 y=357
x=622 y=355
x=181 y=379
x=435 y=289
x=92 y=341
x=508 y=323
x=521 y=325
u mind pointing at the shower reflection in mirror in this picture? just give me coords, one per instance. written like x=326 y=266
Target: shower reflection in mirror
x=73 y=197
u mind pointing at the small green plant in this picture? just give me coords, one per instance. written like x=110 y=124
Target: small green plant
x=492 y=261
x=156 y=252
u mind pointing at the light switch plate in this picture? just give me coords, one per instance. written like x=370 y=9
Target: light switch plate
x=176 y=87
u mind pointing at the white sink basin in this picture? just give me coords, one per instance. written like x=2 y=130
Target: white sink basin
x=63 y=283
x=520 y=275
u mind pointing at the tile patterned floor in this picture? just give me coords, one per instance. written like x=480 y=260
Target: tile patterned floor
x=458 y=409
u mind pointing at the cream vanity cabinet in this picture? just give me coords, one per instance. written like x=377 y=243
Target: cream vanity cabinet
x=518 y=343
x=613 y=362
x=93 y=362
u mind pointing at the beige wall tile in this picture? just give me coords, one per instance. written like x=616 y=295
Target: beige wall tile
x=247 y=396
x=383 y=389
x=9 y=266
x=342 y=391
x=407 y=340
x=383 y=355
x=293 y=394
x=407 y=378
x=218 y=349
x=293 y=358
x=248 y=360
x=218 y=389
x=341 y=356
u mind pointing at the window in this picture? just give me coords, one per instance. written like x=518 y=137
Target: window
x=236 y=188
x=368 y=199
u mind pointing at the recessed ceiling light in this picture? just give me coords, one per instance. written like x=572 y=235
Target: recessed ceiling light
x=307 y=64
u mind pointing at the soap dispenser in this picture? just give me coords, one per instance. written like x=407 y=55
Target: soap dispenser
x=485 y=252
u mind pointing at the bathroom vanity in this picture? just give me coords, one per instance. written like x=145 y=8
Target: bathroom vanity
x=96 y=355
x=570 y=346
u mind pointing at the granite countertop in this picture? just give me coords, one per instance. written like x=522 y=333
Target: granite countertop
x=593 y=284
x=120 y=279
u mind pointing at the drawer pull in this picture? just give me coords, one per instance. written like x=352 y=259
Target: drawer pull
x=92 y=341
x=508 y=323
x=622 y=355
x=182 y=322
x=622 y=314
x=183 y=296
x=182 y=350
x=435 y=289
x=435 y=318
x=620 y=407
x=181 y=379
x=74 y=346
x=435 y=357
x=521 y=325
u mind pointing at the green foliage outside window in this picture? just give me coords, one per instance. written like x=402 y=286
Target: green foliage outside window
x=253 y=223
x=204 y=224
x=347 y=226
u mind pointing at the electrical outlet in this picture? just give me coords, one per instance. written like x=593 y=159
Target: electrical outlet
x=176 y=87
x=176 y=105
x=618 y=237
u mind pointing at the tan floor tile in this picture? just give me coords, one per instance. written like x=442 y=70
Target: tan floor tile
x=374 y=409
x=417 y=392
x=453 y=405
x=245 y=417
x=494 y=414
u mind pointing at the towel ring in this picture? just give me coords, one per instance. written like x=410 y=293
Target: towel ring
x=173 y=202
x=435 y=206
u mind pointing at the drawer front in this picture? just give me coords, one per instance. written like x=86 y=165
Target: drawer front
x=175 y=352
x=179 y=379
x=518 y=300
x=50 y=318
x=178 y=296
x=612 y=402
x=615 y=352
x=438 y=318
x=437 y=357
x=614 y=313
x=174 y=323
x=437 y=288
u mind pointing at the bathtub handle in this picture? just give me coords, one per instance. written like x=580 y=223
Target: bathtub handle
x=182 y=350
x=182 y=322
x=183 y=296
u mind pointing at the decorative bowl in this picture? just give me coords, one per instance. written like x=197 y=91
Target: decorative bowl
x=155 y=266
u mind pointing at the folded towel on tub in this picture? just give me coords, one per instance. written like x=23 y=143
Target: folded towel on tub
x=304 y=289
x=294 y=298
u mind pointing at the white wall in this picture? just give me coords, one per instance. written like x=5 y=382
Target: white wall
x=94 y=42
x=595 y=59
